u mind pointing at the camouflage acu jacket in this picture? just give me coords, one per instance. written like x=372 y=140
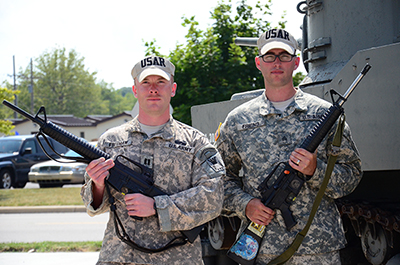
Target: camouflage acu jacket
x=187 y=167
x=255 y=137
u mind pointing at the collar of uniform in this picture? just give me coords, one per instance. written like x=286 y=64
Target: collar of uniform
x=300 y=103
x=267 y=107
x=167 y=132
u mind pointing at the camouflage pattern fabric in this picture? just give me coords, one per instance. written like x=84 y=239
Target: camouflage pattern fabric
x=330 y=258
x=254 y=138
x=187 y=167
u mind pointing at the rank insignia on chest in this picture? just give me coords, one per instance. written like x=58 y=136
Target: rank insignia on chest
x=147 y=161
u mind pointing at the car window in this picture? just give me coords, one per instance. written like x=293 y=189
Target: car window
x=9 y=146
x=72 y=153
x=30 y=144
x=61 y=149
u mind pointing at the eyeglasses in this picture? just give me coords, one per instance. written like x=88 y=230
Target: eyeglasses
x=283 y=57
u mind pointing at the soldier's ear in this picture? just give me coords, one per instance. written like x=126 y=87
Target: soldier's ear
x=173 y=92
x=257 y=61
x=296 y=63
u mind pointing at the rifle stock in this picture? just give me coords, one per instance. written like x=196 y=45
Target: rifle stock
x=121 y=177
x=283 y=184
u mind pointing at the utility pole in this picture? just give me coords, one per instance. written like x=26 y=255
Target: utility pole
x=15 y=88
x=31 y=87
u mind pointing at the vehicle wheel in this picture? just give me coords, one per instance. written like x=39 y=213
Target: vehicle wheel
x=220 y=232
x=216 y=233
x=376 y=249
x=6 y=179
x=19 y=185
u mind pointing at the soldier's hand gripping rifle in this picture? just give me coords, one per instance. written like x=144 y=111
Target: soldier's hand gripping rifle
x=121 y=177
x=283 y=184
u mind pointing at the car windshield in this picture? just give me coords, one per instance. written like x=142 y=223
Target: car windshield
x=9 y=146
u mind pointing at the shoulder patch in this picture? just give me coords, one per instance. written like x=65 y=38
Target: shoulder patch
x=215 y=163
x=218 y=132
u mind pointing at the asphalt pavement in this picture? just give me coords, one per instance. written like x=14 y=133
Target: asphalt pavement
x=48 y=258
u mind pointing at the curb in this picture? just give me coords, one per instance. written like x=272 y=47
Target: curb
x=44 y=209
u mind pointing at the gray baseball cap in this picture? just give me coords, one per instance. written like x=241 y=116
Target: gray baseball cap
x=277 y=39
x=153 y=65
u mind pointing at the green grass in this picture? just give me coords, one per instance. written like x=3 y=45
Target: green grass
x=47 y=246
x=40 y=197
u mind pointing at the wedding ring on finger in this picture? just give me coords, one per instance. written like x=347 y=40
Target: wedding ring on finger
x=298 y=162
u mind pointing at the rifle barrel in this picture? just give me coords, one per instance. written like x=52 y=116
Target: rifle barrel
x=21 y=111
x=354 y=84
x=252 y=42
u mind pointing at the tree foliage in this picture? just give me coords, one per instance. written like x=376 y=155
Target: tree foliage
x=6 y=126
x=210 y=67
x=63 y=85
x=69 y=87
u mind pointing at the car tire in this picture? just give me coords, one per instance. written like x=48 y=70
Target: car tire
x=6 y=179
x=19 y=185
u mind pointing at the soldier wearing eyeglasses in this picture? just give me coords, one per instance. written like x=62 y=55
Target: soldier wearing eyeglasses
x=267 y=130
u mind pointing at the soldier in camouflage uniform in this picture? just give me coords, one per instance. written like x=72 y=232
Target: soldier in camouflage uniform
x=185 y=166
x=268 y=129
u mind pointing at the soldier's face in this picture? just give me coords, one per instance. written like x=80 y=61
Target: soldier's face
x=154 y=95
x=277 y=73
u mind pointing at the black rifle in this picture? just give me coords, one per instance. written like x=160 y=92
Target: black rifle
x=121 y=177
x=283 y=184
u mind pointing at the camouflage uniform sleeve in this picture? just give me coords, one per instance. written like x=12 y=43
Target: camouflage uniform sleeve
x=201 y=203
x=347 y=172
x=87 y=198
x=236 y=199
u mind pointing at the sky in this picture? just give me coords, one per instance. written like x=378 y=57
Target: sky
x=110 y=35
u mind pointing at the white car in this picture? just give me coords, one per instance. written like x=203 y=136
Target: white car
x=55 y=174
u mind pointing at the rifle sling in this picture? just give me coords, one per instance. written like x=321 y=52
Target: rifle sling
x=125 y=238
x=285 y=256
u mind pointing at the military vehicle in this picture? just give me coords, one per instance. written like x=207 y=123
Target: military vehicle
x=339 y=38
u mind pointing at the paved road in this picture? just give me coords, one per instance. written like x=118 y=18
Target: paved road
x=31 y=185
x=39 y=227
x=59 y=258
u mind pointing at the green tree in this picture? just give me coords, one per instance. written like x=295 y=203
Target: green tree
x=211 y=67
x=297 y=78
x=62 y=85
x=118 y=101
x=6 y=126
